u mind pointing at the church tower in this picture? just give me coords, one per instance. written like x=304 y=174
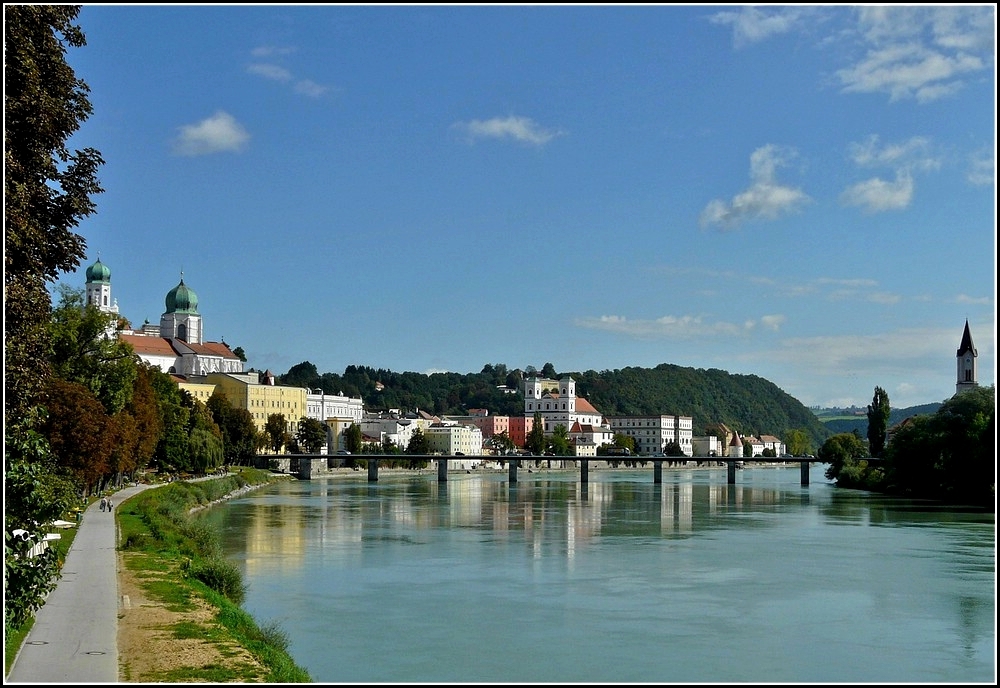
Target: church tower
x=966 y=356
x=181 y=319
x=98 y=291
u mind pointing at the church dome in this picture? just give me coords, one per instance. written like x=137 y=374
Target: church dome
x=98 y=272
x=181 y=299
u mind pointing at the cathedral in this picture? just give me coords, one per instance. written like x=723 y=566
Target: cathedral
x=177 y=346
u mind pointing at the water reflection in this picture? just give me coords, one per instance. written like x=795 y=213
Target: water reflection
x=618 y=579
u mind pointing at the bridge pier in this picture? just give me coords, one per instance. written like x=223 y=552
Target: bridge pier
x=512 y=470
x=731 y=472
x=804 y=473
x=442 y=470
x=372 y=469
x=584 y=471
x=657 y=472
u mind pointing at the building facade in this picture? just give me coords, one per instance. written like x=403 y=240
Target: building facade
x=652 y=433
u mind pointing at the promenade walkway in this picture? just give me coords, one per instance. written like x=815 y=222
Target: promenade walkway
x=75 y=635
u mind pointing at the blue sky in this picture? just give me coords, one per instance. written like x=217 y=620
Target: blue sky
x=804 y=193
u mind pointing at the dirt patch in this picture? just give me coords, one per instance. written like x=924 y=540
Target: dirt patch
x=161 y=641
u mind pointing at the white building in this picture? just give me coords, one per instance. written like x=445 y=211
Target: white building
x=652 y=433
x=178 y=346
x=455 y=440
x=557 y=404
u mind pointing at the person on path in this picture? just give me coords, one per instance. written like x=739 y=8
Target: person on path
x=104 y=503
x=109 y=504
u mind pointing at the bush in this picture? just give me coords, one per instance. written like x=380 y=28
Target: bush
x=221 y=576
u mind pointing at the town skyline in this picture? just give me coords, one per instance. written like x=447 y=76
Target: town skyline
x=806 y=194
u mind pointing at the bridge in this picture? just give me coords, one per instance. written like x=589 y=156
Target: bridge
x=304 y=465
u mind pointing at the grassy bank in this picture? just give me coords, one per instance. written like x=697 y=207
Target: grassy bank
x=180 y=564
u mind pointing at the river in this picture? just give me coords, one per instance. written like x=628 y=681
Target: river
x=619 y=580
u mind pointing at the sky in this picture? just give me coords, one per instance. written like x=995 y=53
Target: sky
x=802 y=193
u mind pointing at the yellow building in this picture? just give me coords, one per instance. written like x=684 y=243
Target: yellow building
x=202 y=391
x=257 y=393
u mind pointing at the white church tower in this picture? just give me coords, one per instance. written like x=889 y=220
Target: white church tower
x=98 y=291
x=181 y=319
x=966 y=357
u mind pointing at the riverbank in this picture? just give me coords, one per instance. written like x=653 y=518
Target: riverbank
x=180 y=618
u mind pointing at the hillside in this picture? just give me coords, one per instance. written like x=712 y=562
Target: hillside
x=746 y=403
x=840 y=424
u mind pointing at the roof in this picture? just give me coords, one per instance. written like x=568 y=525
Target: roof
x=584 y=406
x=967 y=344
x=150 y=346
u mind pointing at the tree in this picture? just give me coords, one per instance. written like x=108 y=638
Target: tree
x=842 y=452
x=878 y=421
x=311 y=434
x=559 y=442
x=535 y=441
x=418 y=443
x=673 y=448
x=239 y=432
x=948 y=455
x=79 y=432
x=352 y=438
x=274 y=428
x=501 y=443
x=549 y=371
x=83 y=352
x=47 y=190
x=797 y=442
x=240 y=353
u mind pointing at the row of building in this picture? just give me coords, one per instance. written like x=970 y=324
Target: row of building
x=177 y=347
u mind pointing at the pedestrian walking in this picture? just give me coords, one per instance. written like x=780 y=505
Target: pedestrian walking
x=109 y=504
x=104 y=503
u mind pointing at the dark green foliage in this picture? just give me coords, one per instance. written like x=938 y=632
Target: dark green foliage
x=47 y=190
x=840 y=451
x=950 y=455
x=673 y=449
x=418 y=443
x=746 y=403
x=878 y=421
x=239 y=432
x=222 y=576
x=311 y=435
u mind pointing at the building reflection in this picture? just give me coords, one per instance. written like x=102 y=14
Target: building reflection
x=338 y=519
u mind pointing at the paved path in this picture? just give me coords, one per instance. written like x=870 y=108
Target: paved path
x=75 y=636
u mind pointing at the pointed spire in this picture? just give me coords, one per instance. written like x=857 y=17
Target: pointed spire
x=967 y=344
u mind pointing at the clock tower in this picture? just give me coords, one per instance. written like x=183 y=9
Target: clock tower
x=966 y=356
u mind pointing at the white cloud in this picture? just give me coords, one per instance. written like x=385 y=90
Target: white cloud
x=912 y=154
x=920 y=52
x=270 y=71
x=764 y=199
x=977 y=300
x=676 y=327
x=877 y=195
x=982 y=168
x=518 y=128
x=272 y=50
x=310 y=88
x=216 y=134
x=751 y=24
x=274 y=72
x=772 y=322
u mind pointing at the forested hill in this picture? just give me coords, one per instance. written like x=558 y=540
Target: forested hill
x=746 y=403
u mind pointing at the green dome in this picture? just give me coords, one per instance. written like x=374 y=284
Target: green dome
x=181 y=299
x=98 y=272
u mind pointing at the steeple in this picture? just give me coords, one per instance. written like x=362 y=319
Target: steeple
x=966 y=363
